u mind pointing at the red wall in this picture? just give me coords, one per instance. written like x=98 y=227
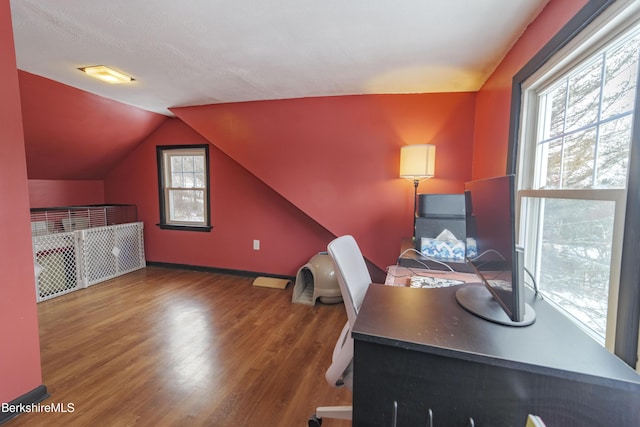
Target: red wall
x=45 y=193
x=243 y=209
x=20 y=352
x=336 y=158
x=296 y=173
x=491 y=135
x=71 y=134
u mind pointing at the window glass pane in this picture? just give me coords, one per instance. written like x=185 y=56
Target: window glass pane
x=578 y=159
x=613 y=153
x=620 y=79
x=183 y=169
x=199 y=180
x=187 y=163
x=198 y=164
x=584 y=96
x=555 y=104
x=576 y=256
x=176 y=180
x=186 y=205
x=549 y=167
x=187 y=180
x=176 y=163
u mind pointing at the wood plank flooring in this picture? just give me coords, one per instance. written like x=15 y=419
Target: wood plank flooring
x=165 y=347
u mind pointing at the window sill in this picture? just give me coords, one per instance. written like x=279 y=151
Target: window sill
x=202 y=228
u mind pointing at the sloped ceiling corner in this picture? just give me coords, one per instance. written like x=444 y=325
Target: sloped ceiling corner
x=71 y=134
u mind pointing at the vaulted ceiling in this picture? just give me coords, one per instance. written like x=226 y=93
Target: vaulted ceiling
x=201 y=52
x=208 y=52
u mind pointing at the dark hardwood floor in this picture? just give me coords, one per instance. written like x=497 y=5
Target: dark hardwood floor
x=165 y=347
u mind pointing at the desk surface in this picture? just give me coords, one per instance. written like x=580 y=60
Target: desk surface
x=431 y=321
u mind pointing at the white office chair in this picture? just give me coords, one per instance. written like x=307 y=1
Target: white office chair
x=353 y=279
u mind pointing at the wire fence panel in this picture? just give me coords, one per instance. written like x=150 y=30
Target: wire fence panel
x=130 y=244
x=108 y=252
x=55 y=265
x=72 y=218
x=65 y=262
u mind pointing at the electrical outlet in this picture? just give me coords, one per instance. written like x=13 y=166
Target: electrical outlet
x=256 y=245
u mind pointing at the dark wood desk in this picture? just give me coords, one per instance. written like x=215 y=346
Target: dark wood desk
x=419 y=348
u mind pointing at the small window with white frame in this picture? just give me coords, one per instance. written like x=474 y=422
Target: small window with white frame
x=183 y=180
x=576 y=136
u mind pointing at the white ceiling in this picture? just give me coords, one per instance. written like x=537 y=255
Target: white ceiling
x=197 y=52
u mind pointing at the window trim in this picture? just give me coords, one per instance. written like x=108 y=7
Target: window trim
x=163 y=224
x=627 y=332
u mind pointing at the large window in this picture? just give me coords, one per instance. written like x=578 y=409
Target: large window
x=576 y=134
x=183 y=176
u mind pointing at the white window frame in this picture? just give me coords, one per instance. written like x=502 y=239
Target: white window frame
x=164 y=155
x=616 y=20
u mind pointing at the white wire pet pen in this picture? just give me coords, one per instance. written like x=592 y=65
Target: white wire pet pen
x=79 y=246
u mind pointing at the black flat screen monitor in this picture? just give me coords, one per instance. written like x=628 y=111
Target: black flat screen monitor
x=490 y=207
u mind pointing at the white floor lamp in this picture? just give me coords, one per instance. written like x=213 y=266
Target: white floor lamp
x=417 y=162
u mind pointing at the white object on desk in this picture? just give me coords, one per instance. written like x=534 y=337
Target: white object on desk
x=401 y=276
x=432 y=282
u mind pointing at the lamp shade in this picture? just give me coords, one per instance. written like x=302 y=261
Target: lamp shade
x=417 y=161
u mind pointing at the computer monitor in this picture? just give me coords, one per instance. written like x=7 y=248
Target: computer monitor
x=490 y=206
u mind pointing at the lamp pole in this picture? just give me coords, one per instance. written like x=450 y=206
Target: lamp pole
x=416 y=181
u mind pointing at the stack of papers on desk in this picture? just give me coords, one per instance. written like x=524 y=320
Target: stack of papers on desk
x=432 y=282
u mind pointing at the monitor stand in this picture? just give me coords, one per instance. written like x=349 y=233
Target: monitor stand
x=479 y=301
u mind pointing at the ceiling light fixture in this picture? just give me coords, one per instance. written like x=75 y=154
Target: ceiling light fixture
x=107 y=74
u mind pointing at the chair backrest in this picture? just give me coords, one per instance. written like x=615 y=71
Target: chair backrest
x=353 y=280
x=351 y=272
